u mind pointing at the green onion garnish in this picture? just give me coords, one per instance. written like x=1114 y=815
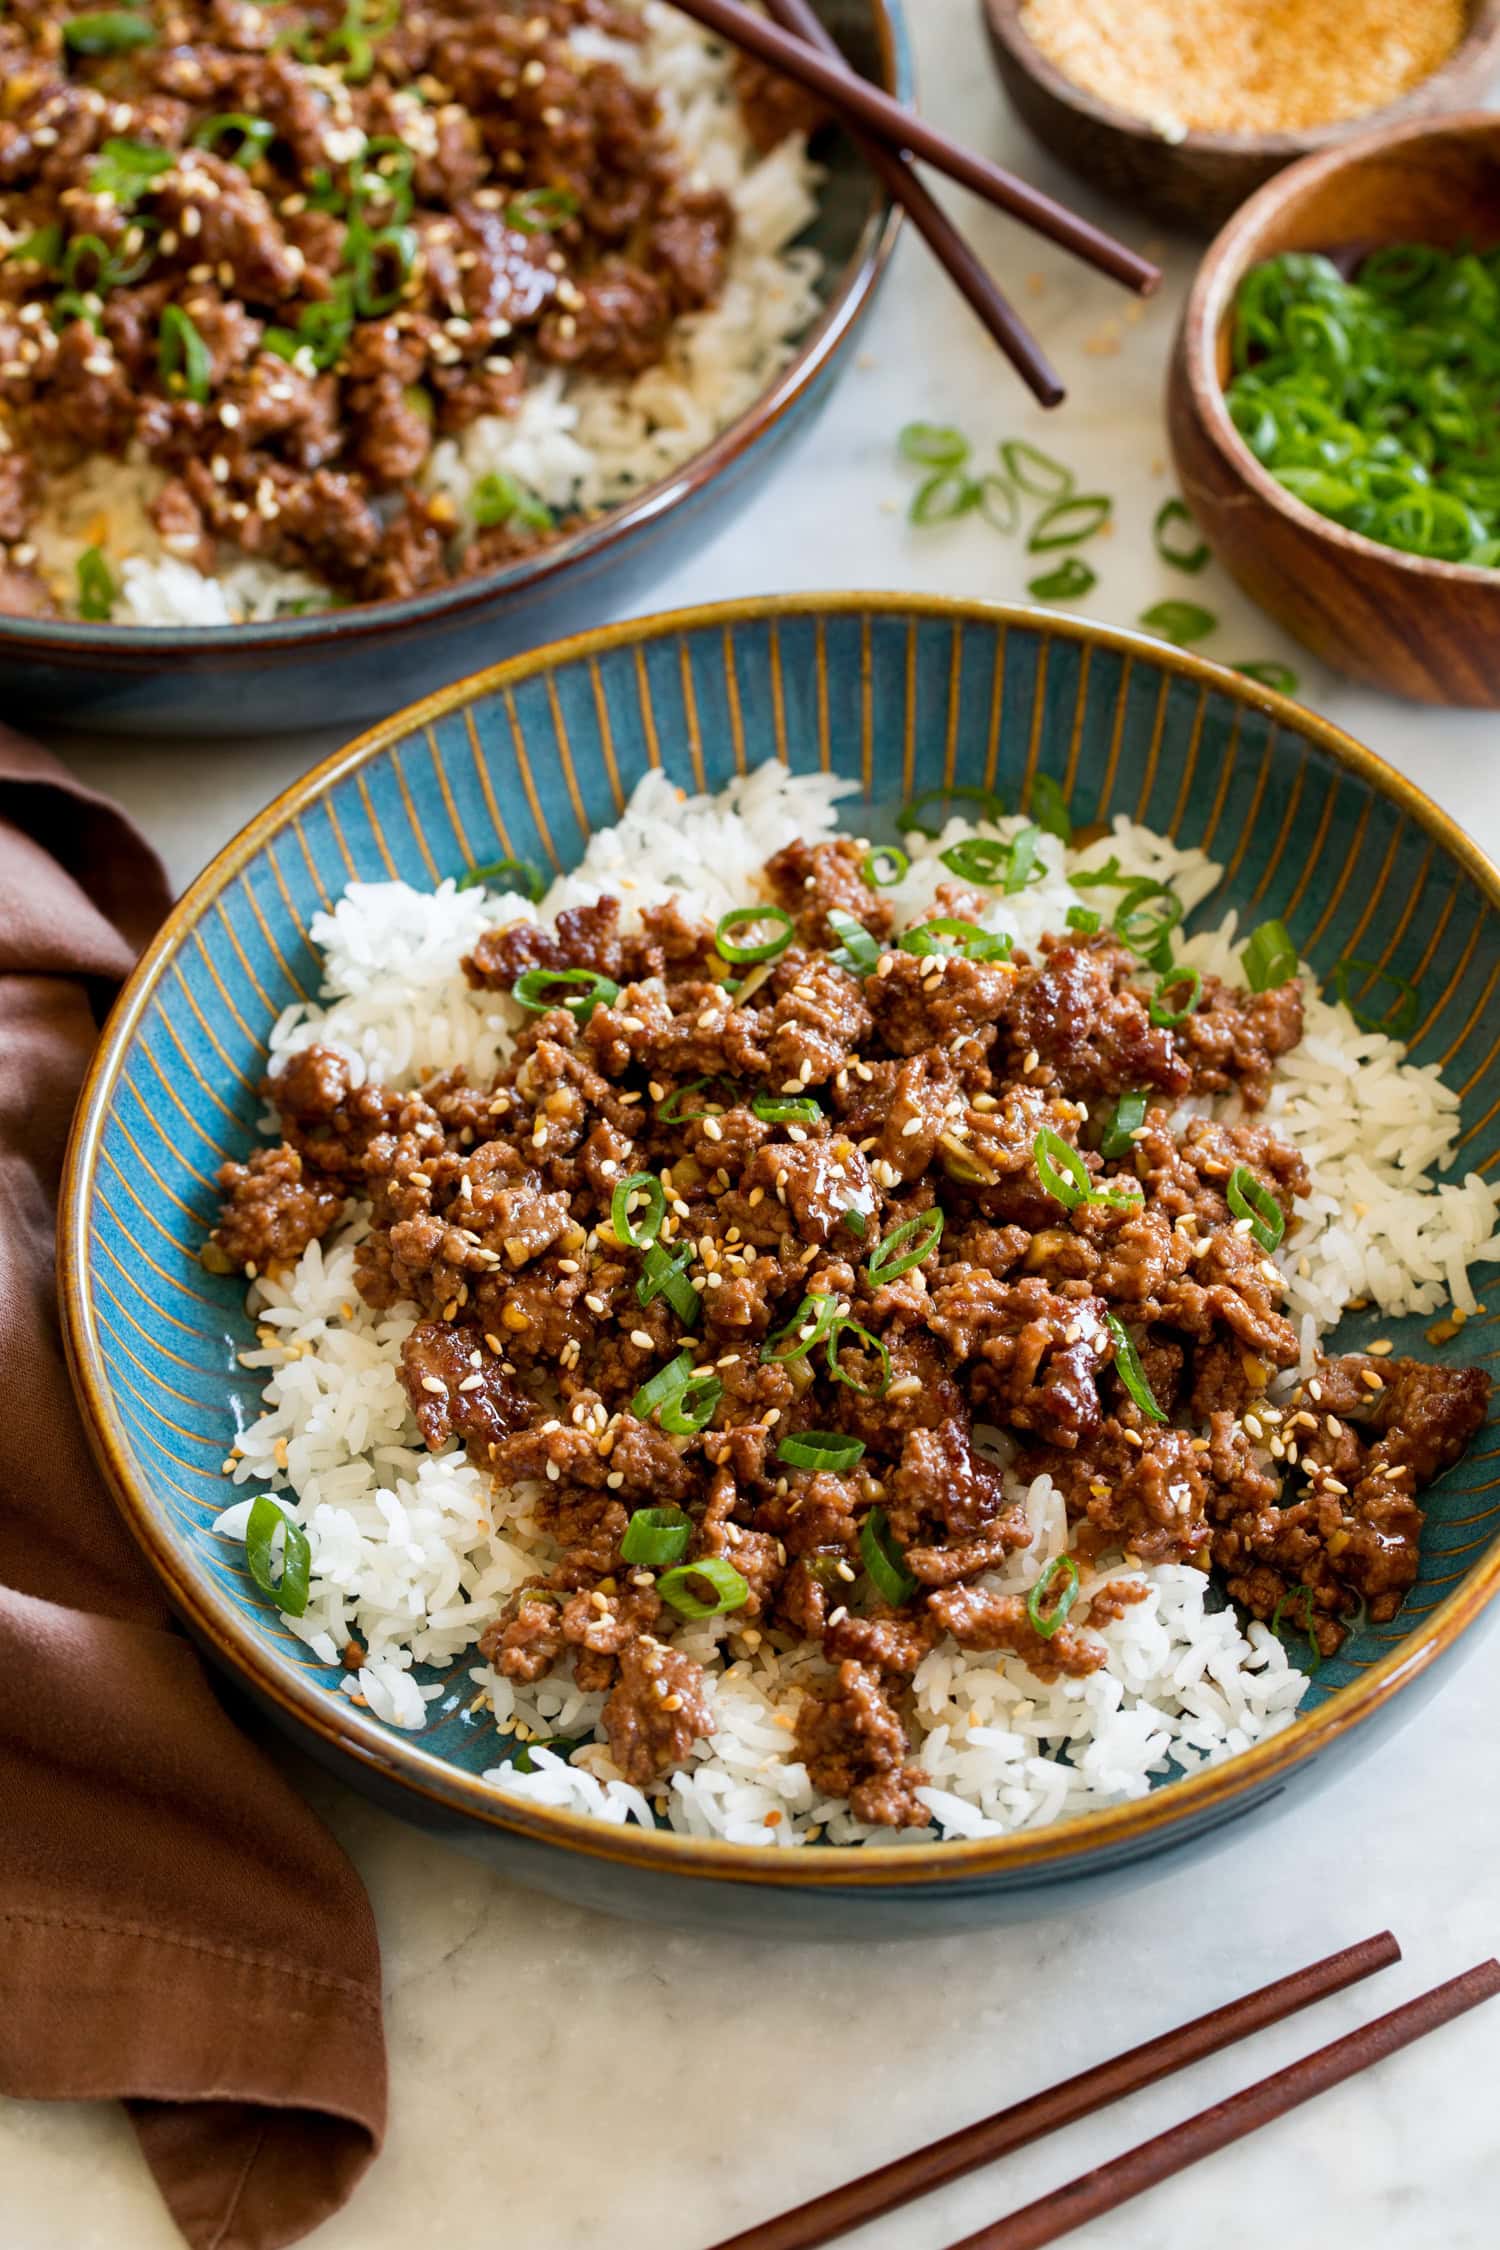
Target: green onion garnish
x=1270 y=957
x=1068 y=522
x=253 y=135
x=505 y=875
x=1034 y=471
x=1269 y=674
x=124 y=170
x=808 y=1325
x=1161 y=1012
x=999 y=504
x=1062 y=1171
x=1140 y=921
x=723 y=1581
x=1049 y=807
x=1306 y=1592
x=1072 y=579
x=497 y=498
x=933 y=445
x=108 y=31
x=905 y=1246
x=1189 y=554
x=1025 y=866
x=670 y=1110
x=42 y=247
x=1130 y=1371
x=541 y=210
x=884 y=866
x=664 y=1384
x=783 y=1109
x=884 y=1561
x=820 y=1449
x=186 y=364
x=855 y=1221
x=533 y=990
x=857 y=951
x=977 y=859
x=621 y=1217
x=943 y=497
x=990 y=806
x=664 y=1276
x=1060 y=1581
x=947 y=934
x=1250 y=1198
x=389 y=255
x=691 y=1409
x=561 y=1745
x=1082 y=918
x=288 y=1588
x=753 y=918
x=1118 y=1137
x=846 y=1332
x=1179 y=622
x=1400 y=1017
x=96 y=586
x=655 y=1536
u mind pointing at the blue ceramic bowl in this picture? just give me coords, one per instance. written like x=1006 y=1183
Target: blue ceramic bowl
x=338 y=666
x=898 y=692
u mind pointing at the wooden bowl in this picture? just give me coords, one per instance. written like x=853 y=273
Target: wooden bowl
x=1426 y=630
x=1196 y=182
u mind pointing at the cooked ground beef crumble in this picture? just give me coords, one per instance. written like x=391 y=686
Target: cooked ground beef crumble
x=796 y=1112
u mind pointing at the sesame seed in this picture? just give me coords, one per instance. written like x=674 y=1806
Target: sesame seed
x=641 y=1340
x=432 y=1383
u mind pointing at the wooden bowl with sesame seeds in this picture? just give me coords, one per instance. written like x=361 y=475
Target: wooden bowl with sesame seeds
x=1193 y=179
x=1414 y=626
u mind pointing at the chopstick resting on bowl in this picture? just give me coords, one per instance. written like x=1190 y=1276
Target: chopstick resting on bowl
x=932 y=222
x=860 y=105
x=871 y=2196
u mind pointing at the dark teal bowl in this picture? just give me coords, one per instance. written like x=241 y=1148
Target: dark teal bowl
x=337 y=669
x=898 y=692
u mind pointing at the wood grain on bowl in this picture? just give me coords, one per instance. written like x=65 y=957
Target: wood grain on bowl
x=1418 y=628
x=1197 y=181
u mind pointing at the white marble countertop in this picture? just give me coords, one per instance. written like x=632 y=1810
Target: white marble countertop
x=562 y=2081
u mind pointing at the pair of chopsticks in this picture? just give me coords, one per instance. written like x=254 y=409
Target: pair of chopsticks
x=889 y=136
x=1094 y=2193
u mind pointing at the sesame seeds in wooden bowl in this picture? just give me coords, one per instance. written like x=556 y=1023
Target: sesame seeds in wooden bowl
x=1363 y=63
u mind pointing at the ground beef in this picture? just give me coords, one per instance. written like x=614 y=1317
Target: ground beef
x=854 y=1746
x=273 y=1207
x=657 y=1712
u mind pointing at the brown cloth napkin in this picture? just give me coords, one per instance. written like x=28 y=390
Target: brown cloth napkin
x=176 y=1928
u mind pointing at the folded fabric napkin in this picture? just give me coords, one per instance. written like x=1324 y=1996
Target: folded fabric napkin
x=176 y=1929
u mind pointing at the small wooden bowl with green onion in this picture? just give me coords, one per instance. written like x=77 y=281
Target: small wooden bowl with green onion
x=1414 y=623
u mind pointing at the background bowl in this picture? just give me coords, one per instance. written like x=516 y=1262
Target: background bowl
x=1428 y=630
x=338 y=668
x=1198 y=181
x=898 y=692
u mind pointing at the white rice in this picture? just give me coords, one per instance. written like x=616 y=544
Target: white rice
x=576 y=442
x=414 y=1553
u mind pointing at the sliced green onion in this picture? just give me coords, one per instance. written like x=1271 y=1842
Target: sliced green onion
x=820 y=1449
x=288 y=1588
x=1068 y=522
x=186 y=364
x=1118 y=1137
x=1175 y=980
x=723 y=1581
x=1061 y=1170
x=125 y=169
x=999 y=504
x=1025 y=865
x=497 y=498
x=857 y=951
x=1130 y=1371
x=664 y=1384
x=1250 y=1198
x=808 y=1325
x=692 y=1408
x=663 y=1276
x=669 y=1109
x=1098 y=878
x=1059 y=1585
x=255 y=135
x=855 y=1221
x=943 y=497
x=884 y=866
x=947 y=934
x=1270 y=957
x=561 y=1746
x=905 y=1246
x=541 y=210
x=1291 y=1595
x=933 y=445
x=596 y=991
x=1083 y=918
x=1400 y=1018
x=371 y=251
x=505 y=875
x=1269 y=674
x=620 y=1218
x=96 y=586
x=1049 y=807
x=1190 y=554
x=1034 y=471
x=1140 y=921
x=655 y=1536
x=845 y=1331
x=1179 y=622
x=1072 y=579
x=991 y=807
x=784 y=1109
x=108 y=31
x=884 y=1561
x=977 y=859
x=750 y=918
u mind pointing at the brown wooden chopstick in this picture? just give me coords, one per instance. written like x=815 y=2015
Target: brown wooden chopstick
x=959 y=262
x=858 y=102
x=1173 y=2151
x=931 y=2167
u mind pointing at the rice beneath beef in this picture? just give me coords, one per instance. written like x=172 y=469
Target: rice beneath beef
x=414 y=1553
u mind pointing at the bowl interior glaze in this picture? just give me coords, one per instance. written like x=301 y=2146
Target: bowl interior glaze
x=897 y=693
